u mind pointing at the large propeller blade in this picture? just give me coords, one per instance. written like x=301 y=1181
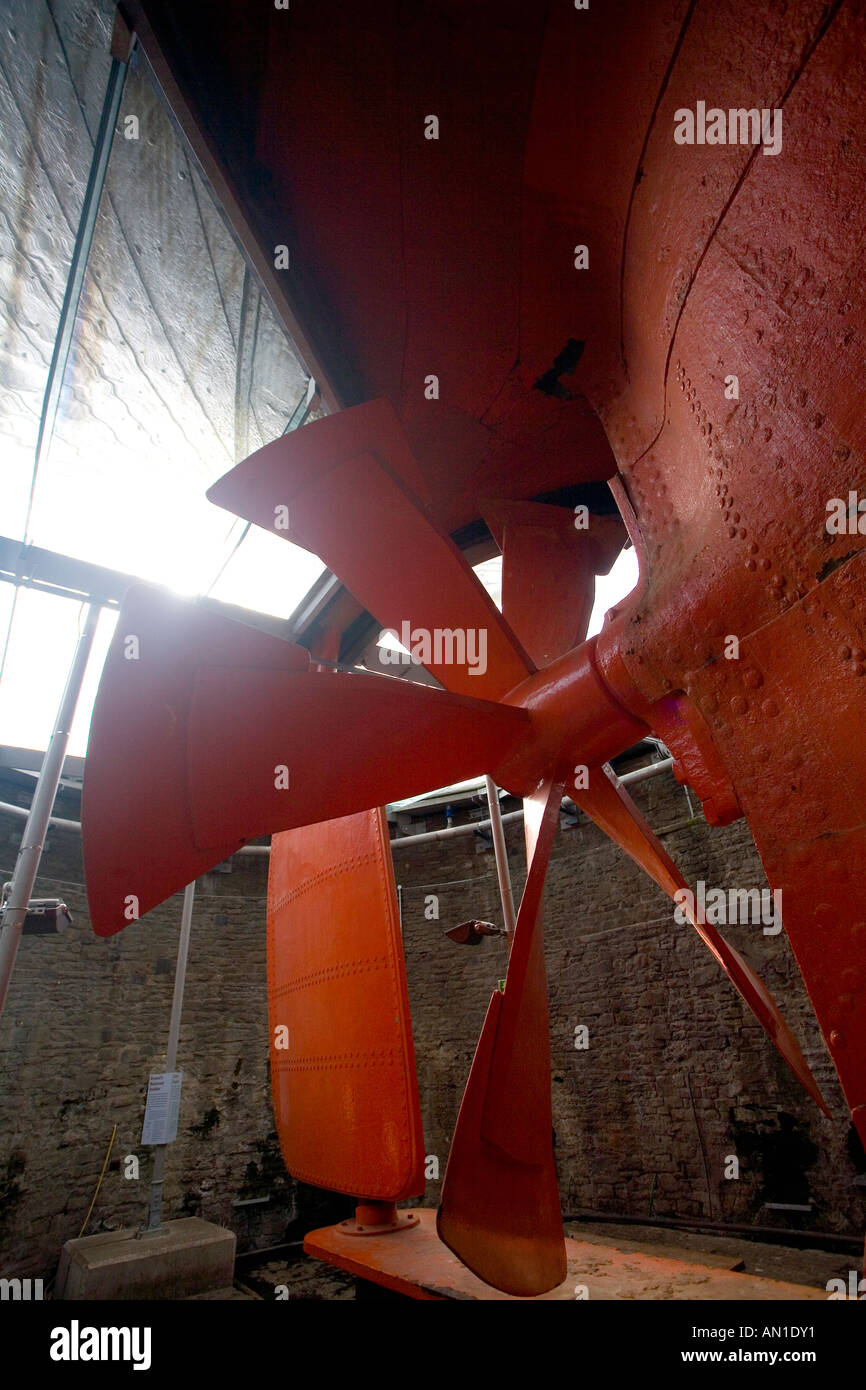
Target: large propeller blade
x=613 y=811
x=549 y=565
x=500 y=1210
x=207 y=733
x=348 y=741
x=339 y=488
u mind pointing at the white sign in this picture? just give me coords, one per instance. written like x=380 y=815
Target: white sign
x=163 y=1105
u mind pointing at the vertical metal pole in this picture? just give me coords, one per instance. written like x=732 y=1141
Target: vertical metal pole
x=121 y=46
x=30 y=851
x=302 y=409
x=154 y=1216
x=501 y=856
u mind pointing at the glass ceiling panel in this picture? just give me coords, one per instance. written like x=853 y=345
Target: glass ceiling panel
x=178 y=370
x=40 y=653
x=178 y=367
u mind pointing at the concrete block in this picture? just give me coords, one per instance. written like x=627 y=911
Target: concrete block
x=186 y=1257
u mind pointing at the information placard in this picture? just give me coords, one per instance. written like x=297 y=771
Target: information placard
x=162 y=1109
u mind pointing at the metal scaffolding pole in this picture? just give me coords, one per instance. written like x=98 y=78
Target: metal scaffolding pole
x=501 y=853
x=30 y=851
x=122 y=44
x=154 y=1216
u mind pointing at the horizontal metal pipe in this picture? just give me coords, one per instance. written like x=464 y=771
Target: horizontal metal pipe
x=475 y=792
x=643 y=774
x=771 y=1235
x=453 y=830
x=23 y=813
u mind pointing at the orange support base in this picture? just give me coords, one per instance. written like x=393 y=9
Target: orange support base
x=416 y=1263
x=377 y=1219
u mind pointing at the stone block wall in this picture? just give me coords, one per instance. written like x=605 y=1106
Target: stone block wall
x=677 y=1077
x=86 y=1022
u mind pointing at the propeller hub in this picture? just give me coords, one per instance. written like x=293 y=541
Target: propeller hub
x=570 y=707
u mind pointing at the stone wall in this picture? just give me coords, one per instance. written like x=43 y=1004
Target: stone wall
x=676 y=1076
x=86 y=1021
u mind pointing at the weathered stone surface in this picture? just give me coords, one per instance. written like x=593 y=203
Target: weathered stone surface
x=661 y=1016
x=87 y=1021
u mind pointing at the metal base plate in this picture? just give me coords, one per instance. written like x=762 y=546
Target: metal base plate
x=416 y=1263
